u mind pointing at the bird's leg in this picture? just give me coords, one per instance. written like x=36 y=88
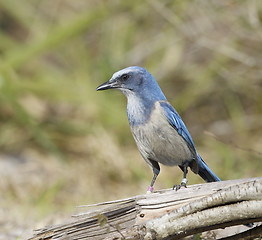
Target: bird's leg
x=150 y=188
x=156 y=170
x=184 y=180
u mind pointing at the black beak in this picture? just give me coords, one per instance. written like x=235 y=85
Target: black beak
x=107 y=85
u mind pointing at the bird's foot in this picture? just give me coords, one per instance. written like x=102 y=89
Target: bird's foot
x=250 y=225
x=150 y=190
x=183 y=184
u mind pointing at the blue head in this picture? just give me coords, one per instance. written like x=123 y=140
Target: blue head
x=141 y=90
x=135 y=81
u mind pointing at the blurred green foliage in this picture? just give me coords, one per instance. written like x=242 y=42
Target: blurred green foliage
x=206 y=56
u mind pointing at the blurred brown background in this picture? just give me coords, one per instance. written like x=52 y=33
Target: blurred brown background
x=63 y=144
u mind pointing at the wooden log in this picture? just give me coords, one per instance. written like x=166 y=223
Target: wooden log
x=167 y=214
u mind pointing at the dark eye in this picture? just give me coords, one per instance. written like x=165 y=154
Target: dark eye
x=125 y=77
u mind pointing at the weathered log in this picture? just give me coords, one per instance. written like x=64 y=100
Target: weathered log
x=167 y=214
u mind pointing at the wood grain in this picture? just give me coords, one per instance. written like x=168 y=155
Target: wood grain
x=166 y=214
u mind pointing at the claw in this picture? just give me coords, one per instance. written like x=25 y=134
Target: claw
x=183 y=184
x=176 y=187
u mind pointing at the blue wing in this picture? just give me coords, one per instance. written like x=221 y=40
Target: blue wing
x=177 y=123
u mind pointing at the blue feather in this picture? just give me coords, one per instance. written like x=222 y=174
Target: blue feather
x=177 y=123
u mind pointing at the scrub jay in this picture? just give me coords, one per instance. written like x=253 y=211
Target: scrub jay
x=159 y=132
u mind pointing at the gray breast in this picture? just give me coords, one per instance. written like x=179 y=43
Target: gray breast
x=159 y=141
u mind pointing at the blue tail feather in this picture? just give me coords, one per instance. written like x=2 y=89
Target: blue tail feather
x=205 y=172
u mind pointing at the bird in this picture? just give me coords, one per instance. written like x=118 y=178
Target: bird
x=159 y=132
